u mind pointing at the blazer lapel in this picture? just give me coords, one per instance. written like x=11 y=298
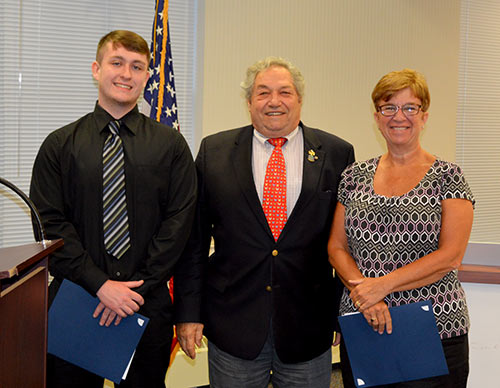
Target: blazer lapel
x=314 y=159
x=242 y=167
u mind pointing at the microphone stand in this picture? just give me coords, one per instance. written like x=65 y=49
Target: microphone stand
x=39 y=232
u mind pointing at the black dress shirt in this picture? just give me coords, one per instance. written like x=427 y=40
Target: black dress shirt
x=66 y=188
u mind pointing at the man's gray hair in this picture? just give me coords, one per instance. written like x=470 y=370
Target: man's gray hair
x=266 y=63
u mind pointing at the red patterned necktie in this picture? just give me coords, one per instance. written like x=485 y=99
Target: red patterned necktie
x=274 y=196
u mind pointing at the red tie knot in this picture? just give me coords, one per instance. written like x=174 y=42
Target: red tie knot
x=277 y=142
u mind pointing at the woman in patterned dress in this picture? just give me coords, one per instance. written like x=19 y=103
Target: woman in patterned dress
x=401 y=228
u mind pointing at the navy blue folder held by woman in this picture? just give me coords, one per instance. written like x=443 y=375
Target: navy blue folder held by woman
x=75 y=336
x=413 y=351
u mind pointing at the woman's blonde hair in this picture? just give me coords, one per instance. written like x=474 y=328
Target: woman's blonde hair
x=395 y=81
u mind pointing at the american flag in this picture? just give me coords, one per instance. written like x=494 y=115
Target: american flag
x=159 y=92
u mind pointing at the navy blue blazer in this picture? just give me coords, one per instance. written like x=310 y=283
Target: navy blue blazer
x=252 y=284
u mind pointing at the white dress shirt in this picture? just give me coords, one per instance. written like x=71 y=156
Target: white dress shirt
x=293 y=152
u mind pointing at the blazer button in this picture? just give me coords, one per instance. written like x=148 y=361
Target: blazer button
x=269 y=288
x=274 y=252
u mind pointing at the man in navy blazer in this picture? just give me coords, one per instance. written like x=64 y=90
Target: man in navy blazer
x=265 y=305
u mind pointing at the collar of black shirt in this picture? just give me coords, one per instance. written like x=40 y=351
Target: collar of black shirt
x=130 y=120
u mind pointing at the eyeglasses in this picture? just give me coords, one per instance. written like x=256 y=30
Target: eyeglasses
x=391 y=109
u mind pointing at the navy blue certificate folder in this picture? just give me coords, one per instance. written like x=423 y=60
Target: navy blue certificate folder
x=413 y=351
x=75 y=336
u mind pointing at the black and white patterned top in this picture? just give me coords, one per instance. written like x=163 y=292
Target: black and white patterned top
x=386 y=233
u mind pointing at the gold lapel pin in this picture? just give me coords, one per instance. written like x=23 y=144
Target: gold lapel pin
x=312 y=156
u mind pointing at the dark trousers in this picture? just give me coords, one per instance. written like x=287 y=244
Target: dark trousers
x=148 y=369
x=456 y=352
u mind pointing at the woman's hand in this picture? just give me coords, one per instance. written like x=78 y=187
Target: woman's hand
x=379 y=317
x=367 y=292
x=368 y=296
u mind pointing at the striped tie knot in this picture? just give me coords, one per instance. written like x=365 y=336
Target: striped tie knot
x=114 y=127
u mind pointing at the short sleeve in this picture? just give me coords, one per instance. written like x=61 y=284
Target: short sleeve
x=453 y=183
x=346 y=185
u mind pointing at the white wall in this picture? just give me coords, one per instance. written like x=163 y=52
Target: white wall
x=342 y=48
x=484 y=336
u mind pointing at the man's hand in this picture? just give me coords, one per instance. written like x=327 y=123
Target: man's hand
x=336 y=340
x=189 y=334
x=107 y=316
x=117 y=301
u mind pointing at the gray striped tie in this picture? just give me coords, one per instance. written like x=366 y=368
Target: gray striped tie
x=115 y=218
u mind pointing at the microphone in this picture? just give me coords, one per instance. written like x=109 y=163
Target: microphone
x=39 y=231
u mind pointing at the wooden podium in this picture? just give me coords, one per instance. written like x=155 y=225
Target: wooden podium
x=23 y=314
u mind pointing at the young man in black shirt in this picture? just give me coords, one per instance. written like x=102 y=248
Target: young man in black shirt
x=157 y=193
